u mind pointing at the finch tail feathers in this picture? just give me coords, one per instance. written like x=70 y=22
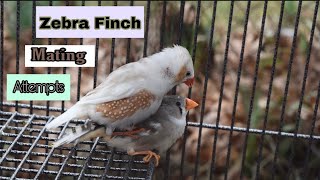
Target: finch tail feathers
x=75 y=111
x=75 y=134
x=80 y=133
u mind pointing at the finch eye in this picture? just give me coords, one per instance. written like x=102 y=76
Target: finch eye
x=178 y=104
x=188 y=73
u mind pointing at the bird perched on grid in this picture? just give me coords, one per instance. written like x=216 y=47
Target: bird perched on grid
x=133 y=92
x=158 y=132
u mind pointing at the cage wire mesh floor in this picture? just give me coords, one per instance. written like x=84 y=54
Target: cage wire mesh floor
x=26 y=153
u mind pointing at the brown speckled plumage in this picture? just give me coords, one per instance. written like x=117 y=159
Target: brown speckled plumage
x=126 y=107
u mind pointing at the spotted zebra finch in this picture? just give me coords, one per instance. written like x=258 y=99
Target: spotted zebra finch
x=132 y=92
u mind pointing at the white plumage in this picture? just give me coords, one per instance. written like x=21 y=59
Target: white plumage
x=156 y=74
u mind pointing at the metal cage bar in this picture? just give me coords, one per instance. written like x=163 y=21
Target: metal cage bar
x=32 y=125
x=303 y=88
x=225 y=61
x=283 y=107
x=254 y=85
x=196 y=29
x=270 y=89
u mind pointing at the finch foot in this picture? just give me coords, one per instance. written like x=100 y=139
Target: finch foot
x=147 y=158
x=129 y=133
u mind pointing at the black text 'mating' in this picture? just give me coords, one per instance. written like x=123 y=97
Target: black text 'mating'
x=41 y=54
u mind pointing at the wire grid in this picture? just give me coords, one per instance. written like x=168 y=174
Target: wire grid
x=28 y=147
x=20 y=160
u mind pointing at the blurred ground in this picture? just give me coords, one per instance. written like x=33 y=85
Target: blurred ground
x=171 y=32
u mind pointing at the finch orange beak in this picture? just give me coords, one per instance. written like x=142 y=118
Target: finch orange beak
x=190 y=104
x=189 y=82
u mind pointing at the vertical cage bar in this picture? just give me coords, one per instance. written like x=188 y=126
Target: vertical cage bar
x=129 y=43
x=237 y=91
x=49 y=68
x=162 y=30
x=96 y=64
x=305 y=76
x=195 y=37
x=163 y=23
x=181 y=14
x=33 y=41
x=1 y=53
x=128 y=169
x=88 y=159
x=150 y=169
x=48 y=102
x=167 y=164
x=113 y=44
x=275 y=55
x=285 y=96
x=314 y=118
x=225 y=61
x=182 y=4
x=17 y=42
x=83 y=3
x=108 y=165
x=64 y=69
x=146 y=32
x=253 y=91
x=96 y=58
x=17 y=51
x=204 y=93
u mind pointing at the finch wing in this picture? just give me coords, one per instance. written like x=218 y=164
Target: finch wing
x=122 y=83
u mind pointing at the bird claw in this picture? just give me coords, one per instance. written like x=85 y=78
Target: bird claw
x=147 y=158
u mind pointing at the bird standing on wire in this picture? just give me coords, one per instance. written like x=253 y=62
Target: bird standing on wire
x=158 y=132
x=133 y=92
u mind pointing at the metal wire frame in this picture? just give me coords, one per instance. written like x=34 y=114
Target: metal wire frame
x=128 y=167
x=33 y=39
x=190 y=89
x=253 y=87
x=19 y=151
x=181 y=15
x=191 y=124
x=269 y=90
x=284 y=102
x=207 y=71
x=1 y=59
x=1 y=52
x=225 y=60
x=62 y=109
x=304 y=84
x=13 y=118
x=33 y=120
